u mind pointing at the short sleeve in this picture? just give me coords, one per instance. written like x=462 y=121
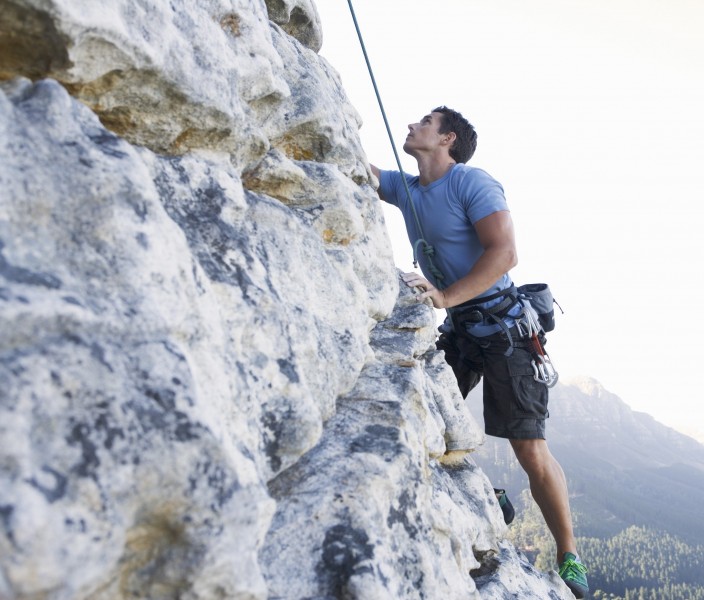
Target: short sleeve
x=480 y=194
x=388 y=186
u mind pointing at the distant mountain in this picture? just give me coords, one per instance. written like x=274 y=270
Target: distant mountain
x=623 y=467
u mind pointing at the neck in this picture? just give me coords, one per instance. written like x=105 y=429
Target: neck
x=431 y=169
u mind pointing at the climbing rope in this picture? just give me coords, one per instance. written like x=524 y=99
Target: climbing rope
x=428 y=250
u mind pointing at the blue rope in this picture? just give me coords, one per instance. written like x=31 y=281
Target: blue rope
x=428 y=250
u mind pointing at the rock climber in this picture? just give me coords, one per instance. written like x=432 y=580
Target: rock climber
x=462 y=214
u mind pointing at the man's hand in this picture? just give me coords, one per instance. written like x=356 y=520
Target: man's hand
x=377 y=173
x=428 y=290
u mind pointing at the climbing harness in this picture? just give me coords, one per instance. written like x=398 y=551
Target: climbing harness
x=471 y=313
x=428 y=250
x=535 y=317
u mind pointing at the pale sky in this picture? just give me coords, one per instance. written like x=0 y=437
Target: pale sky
x=591 y=115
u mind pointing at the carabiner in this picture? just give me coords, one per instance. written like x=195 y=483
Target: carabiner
x=544 y=372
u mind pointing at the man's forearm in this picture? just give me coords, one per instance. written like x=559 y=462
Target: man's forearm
x=492 y=265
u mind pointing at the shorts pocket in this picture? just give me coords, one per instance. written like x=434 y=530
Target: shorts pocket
x=530 y=396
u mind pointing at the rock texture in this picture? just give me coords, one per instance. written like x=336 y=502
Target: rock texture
x=211 y=383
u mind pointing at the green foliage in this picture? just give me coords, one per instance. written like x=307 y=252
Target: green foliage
x=642 y=558
x=666 y=592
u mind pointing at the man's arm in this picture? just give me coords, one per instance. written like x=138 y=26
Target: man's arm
x=377 y=174
x=499 y=257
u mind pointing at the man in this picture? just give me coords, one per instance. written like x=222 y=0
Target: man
x=463 y=215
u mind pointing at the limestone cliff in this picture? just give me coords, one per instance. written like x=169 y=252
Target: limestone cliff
x=211 y=383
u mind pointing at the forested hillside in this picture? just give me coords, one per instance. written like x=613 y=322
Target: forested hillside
x=646 y=559
x=636 y=488
x=637 y=564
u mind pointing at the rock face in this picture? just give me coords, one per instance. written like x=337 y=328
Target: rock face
x=211 y=383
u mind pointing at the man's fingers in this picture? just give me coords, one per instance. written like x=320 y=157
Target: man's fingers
x=428 y=290
x=416 y=283
x=414 y=280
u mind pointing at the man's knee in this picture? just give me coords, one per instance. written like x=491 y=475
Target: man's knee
x=533 y=454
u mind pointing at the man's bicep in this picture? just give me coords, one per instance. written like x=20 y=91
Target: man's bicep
x=496 y=229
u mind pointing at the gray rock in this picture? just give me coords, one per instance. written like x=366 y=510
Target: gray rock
x=212 y=382
x=298 y=18
x=125 y=462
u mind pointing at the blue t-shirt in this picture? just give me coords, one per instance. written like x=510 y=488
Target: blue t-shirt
x=447 y=210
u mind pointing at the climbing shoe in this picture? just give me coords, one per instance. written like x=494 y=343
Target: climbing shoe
x=505 y=505
x=574 y=574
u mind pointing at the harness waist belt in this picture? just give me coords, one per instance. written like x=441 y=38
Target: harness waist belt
x=472 y=313
x=474 y=305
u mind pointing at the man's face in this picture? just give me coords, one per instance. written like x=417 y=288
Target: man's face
x=424 y=135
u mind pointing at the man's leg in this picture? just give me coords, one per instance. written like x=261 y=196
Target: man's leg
x=515 y=408
x=549 y=488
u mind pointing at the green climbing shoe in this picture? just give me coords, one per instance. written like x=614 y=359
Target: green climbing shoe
x=574 y=574
x=505 y=505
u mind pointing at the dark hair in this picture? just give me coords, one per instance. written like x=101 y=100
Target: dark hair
x=466 y=143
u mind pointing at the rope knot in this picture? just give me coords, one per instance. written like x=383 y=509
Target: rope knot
x=429 y=251
x=437 y=273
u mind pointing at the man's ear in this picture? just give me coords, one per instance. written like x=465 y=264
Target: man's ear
x=449 y=138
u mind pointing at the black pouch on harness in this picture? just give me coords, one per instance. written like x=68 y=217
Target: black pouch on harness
x=540 y=298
